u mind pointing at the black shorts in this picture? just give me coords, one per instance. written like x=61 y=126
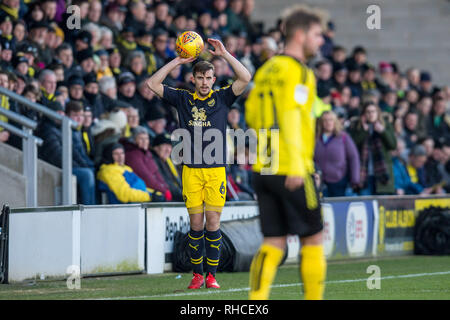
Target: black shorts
x=283 y=212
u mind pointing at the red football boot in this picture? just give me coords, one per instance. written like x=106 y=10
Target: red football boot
x=211 y=282
x=197 y=281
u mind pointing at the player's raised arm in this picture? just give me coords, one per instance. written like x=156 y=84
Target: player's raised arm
x=242 y=74
x=156 y=80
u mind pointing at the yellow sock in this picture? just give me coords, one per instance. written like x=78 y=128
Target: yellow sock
x=263 y=270
x=313 y=269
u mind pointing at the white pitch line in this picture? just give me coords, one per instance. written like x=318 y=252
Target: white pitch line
x=203 y=292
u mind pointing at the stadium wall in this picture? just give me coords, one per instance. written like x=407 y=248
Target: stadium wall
x=115 y=239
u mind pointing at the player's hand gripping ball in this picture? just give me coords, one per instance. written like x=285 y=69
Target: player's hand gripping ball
x=189 y=45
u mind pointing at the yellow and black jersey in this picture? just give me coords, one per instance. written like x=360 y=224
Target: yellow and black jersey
x=282 y=103
x=205 y=113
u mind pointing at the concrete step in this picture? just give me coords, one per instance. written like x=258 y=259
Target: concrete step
x=13 y=187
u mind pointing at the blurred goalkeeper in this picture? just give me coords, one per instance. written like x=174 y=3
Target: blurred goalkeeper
x=281 y=102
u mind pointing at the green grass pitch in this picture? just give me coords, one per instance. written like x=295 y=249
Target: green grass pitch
x=412 y=277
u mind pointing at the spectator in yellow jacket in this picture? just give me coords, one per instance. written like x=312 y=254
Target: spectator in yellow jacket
x=119 y=181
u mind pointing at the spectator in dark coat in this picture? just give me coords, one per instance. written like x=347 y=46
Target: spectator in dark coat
x=108 y=92
x=83 y=166
x=374 y=138
x=436 y=176
x=336 y=156
x=155 y=122
x=162 y=148
x=65 y=53
x=92 y=97
x=410 y=129
x=127 y=90
x=86 y=133
x=50 y=132
x=439 y=122
x=140 y=159
x=327 y=48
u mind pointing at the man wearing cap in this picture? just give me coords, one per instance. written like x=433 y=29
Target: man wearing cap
x=20 y=64
x=155 y=122
x=6 y=54
x=83 y=40
x=75 y=90
x=92 y=96
x=425 y=85
x=162 y=148
x=38 y=35
x=86 y=60
x=402 y=180
x=127 y=89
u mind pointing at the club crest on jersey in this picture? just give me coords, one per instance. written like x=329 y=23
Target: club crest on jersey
x=211 y=102
x=199 y=116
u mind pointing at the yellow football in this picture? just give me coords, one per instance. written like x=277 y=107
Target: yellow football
x=189 y=44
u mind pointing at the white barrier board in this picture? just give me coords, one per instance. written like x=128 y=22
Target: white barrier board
x=43 y=244
x=112 y=239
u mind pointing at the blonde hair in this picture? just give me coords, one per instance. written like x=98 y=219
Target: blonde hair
x=337 y=124
x=301 y=16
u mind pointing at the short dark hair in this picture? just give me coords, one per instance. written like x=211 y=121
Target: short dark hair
x=33 y=90
x=202 y=67
x=300 y=17
x=63 y=46
x=73 y=106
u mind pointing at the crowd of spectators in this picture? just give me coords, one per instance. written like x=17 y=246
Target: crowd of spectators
x=380 y=130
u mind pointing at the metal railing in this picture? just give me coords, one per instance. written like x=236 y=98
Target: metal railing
x=30 y=143
x=30 y=150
